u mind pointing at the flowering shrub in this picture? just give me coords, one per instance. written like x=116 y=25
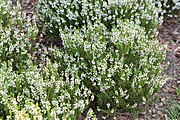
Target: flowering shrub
x=77 y=13
x=28 y=91
x=120 y=67
x=170 y=7
x=40 y=93
x=16 y=35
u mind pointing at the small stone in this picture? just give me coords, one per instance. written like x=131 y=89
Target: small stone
x=172 y=90
x=163 y=100
x=160 y=113
x=177 y=52
x=164 y=90
x=156 y=106
x=154 y=110
x=153 y=115
x=154 y=118
x=176 y=33
x=161 y=104
x=143 y=113
x=168 y=88
x=149 y=111
x=178 y=82
x=173 y=79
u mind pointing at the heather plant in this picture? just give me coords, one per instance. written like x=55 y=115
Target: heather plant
x=170 y=8
x=65 y=14
x=27 y=90
x=120 y=67
x=16 y=35
x=40 y=93
x=90 y=115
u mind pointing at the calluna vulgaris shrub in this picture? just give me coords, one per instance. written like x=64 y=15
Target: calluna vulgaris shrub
x=65 y=14
x=16 y=35
x=26 y=90
x=170 y=8
x=41 y=94
x=120 y=67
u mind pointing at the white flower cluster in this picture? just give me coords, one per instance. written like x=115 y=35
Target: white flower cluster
x=108 y=43
x=170 y=7
x=177 y=4
x=35 y=95
x=119 y=2
x=90 y=115
x=119 y=65
x=17 y=35
x=65 y=14
x=26 y=90
x=110 y=58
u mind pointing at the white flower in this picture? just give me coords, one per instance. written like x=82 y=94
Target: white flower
x=133 y=106
x=113 y=2
x=108 y=105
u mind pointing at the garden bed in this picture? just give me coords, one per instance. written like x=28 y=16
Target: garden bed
x=82 y=73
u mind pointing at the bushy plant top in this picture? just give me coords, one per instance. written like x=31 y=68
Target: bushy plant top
x=66 y=14
x=120 y=67
x=41 y=93
x=29 y=91
x=16 y=35
x=170 y=8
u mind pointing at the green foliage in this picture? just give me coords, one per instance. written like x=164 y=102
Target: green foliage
x=66 y=14
x=120 y=67
x=178 y=91
x=28 y=91
x=40 y=93
x=170 y=7
x=16 y=35
x=172 y=110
